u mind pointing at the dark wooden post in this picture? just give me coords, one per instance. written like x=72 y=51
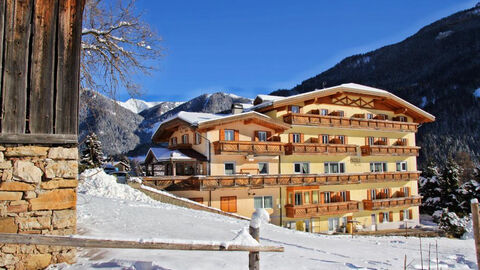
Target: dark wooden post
x=254 y=257
x=476 y=228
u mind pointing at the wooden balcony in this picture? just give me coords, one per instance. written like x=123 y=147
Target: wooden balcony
x=391 y=202
x=199 y=182
x=316 y=148
x=247 y=147
x=384 y=150
x=337 y=121
x=316 y=210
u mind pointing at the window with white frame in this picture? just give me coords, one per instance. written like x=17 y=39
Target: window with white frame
x=343 y=195
x=334 y=167
x=406 y=191
x=373 y=194
x=386 y=217
x=323 y=112
x=406 y=214
x=402 y=118
x=295 y=109
x=341 y=138
x=370 y=115
x=185 y=138
x=402 y=166
x=324 y=138
x=298 y=198
x=229 y=135
x=263 y=167
x=198 y=138
x=263 y=202
x=301 y=167
x=262 y=136
x=229 y=168
x=386 y=191
x=370 y=140
x=296 y=137
x=174 y=141
x=378 y=167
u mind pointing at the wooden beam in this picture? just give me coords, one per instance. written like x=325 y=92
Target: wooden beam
x=39 y=138
x=401 y=110
x=85 y=242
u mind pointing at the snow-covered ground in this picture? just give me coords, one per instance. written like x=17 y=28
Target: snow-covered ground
x=107 y=209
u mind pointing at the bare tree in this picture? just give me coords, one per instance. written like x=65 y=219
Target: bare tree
x=117 y=44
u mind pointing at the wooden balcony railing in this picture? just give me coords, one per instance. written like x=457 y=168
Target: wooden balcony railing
x=315 y=210
x=391 y=202
x=337 y=121
x=215 y=182
x=384 y=150
x=317 y=148
x=246 y=147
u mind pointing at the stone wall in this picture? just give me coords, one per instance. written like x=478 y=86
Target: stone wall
x=37 y=196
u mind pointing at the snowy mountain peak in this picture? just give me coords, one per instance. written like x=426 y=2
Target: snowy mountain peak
x=138 y=105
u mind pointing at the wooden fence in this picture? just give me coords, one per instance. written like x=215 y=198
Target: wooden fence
x=39 y=70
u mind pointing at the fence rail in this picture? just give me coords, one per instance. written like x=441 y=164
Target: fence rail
x=85 y=242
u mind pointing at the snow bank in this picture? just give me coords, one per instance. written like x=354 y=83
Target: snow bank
x=260 y=216
x=243 y=238
x=96 y=182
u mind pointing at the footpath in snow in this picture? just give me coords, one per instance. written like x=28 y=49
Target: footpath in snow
x=110 y=210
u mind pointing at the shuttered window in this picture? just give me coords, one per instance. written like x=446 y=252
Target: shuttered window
x=228 y=204
x=262 y=136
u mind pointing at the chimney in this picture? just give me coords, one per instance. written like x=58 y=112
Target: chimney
x=237 y=108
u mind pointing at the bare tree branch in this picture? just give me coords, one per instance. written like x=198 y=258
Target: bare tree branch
x=116 y=45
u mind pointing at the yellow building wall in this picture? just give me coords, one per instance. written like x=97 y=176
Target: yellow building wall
x=243 y=164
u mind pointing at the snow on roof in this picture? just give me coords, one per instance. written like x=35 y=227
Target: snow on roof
x=269 y=97
x=162 y=154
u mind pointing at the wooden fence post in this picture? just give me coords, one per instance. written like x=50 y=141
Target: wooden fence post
x=476 y=228
x=254 y=257
x=259 y=216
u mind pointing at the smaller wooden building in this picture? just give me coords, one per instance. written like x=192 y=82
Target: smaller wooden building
x=180 y=162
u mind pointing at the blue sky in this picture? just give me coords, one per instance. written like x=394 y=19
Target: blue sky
x=255 y=47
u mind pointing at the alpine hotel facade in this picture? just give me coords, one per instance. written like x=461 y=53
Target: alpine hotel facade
x=318 y=161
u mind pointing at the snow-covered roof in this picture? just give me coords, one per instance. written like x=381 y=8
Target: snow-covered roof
x=269 y=97
x=349 y=87
x=164 y=154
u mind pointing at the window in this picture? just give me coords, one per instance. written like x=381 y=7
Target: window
x=324 y=139
x=402 y=166
x=343 y=196
x=174 y=141
x=370 y=140
x=341 y=138
x=324 y=112
x=198 y=138
x=401 y=118
x=298 y=198
x=263 y=202
x=262 y=136
x=382 y=116
x=327 y=197
x=378 y=167
x=295 y=109
x=301 y=167
x=373 y=194
x=263 y=167
x=370 y=116
x=384 y=140
x=406 y=214
x=185 y=138
x=333 y=224
x=306 y=197
x=386 y=191
x=406 y=191
x=229 y=168
x=228 y=204
x=229 y=135
x=315 y=197
x=341 y=113
x=296 y=138
x=334 y=167
x=386 y=217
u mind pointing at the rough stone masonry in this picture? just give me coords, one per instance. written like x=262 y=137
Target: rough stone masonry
x=37 y=196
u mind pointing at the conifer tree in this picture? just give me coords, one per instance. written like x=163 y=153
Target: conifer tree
x=430 y=189
x=470 y=190
x=450 y=195
x=92 y=154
